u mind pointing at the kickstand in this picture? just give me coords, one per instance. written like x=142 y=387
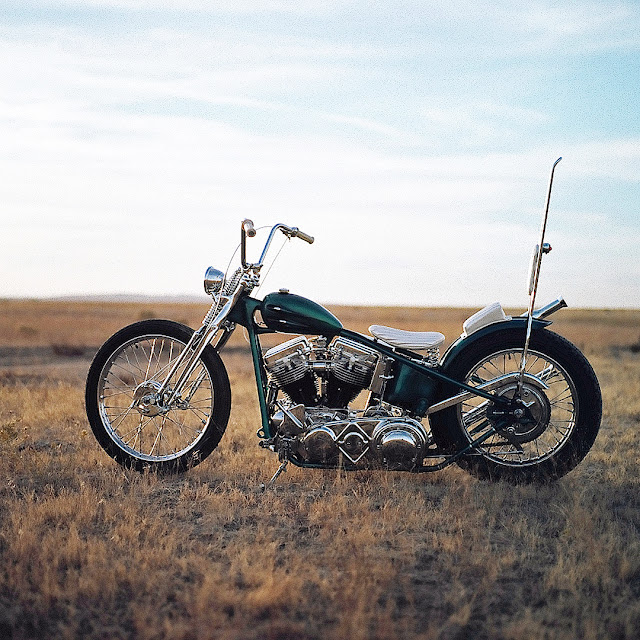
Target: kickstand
x=281 y=468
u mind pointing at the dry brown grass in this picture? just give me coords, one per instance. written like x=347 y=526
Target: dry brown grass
x=91 y=551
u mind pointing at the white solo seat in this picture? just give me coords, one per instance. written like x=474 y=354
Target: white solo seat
x=413 y=340
x=489 y=315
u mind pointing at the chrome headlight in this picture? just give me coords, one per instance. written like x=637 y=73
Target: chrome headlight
x=213 y=279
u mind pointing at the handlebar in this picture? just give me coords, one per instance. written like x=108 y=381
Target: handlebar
x=296 y=233
x=247 y=229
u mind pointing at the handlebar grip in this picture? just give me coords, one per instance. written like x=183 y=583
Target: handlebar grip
x=249 y=229
x=303 y=236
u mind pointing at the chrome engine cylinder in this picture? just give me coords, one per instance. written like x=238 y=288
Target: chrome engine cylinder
x=289 y=361
x=290 y=368
x=352 y=363
x=342 y=371
x=351 y=370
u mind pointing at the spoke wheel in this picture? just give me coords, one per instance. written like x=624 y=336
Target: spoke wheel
x=560 y=411
x=550 y=404
x=133 y=421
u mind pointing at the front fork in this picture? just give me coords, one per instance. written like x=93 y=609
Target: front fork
x=188 y=359
x=223 y=335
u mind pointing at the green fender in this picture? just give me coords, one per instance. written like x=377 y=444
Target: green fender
x=463 y=342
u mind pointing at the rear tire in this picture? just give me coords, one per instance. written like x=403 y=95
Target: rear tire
x=565 y=409
x=127 y=370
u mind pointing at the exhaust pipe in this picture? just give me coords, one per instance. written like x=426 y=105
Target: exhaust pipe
x=548 y=309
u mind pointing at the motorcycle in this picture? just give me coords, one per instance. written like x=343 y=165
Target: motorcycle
x=509 y=399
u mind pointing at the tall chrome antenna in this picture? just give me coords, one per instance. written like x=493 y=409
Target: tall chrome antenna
x=536 y=261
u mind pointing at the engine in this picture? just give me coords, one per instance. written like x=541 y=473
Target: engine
x=319 y=381
x=330 y=376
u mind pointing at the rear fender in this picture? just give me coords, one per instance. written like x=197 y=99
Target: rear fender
x=464 y=342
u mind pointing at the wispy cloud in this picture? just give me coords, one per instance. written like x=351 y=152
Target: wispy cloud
x=414 y=154
x=231 y=6
x=580 y=28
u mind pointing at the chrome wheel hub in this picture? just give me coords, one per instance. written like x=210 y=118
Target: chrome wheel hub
x=147 y=401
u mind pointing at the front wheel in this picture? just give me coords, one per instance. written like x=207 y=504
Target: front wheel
x=128 y=418
x=561 y=400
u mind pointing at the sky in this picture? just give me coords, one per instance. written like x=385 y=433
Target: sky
x=413 y=139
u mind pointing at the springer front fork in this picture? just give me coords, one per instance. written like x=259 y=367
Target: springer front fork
x=217 y=333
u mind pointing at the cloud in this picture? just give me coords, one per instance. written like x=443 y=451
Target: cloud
x=579 y=28
x=131 y=154
x=615 y=159
x=231 y=6
x=483 y=122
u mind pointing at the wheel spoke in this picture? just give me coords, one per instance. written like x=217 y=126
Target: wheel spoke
x=556 y=414
x=133 y=367
x=140 y=427
x=121 y=416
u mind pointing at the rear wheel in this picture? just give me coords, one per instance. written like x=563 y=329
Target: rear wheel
x=560 y=415
x=132 y=422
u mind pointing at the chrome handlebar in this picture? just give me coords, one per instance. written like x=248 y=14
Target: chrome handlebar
x=296 y=233
x=248 y=229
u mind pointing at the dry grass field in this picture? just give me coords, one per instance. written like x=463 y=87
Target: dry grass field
x=91 y=551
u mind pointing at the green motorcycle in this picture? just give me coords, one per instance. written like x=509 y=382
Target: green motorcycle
x=508 y=399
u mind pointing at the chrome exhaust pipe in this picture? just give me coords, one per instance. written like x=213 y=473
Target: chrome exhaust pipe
x=548 y=309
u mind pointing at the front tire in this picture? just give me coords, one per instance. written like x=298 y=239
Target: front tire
x=563 y=397
x=122 y=380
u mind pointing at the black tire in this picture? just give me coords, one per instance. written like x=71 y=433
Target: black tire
x=130 y=365
x=564 y=420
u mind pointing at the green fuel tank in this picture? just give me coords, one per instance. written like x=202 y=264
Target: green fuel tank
x=288 y=313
